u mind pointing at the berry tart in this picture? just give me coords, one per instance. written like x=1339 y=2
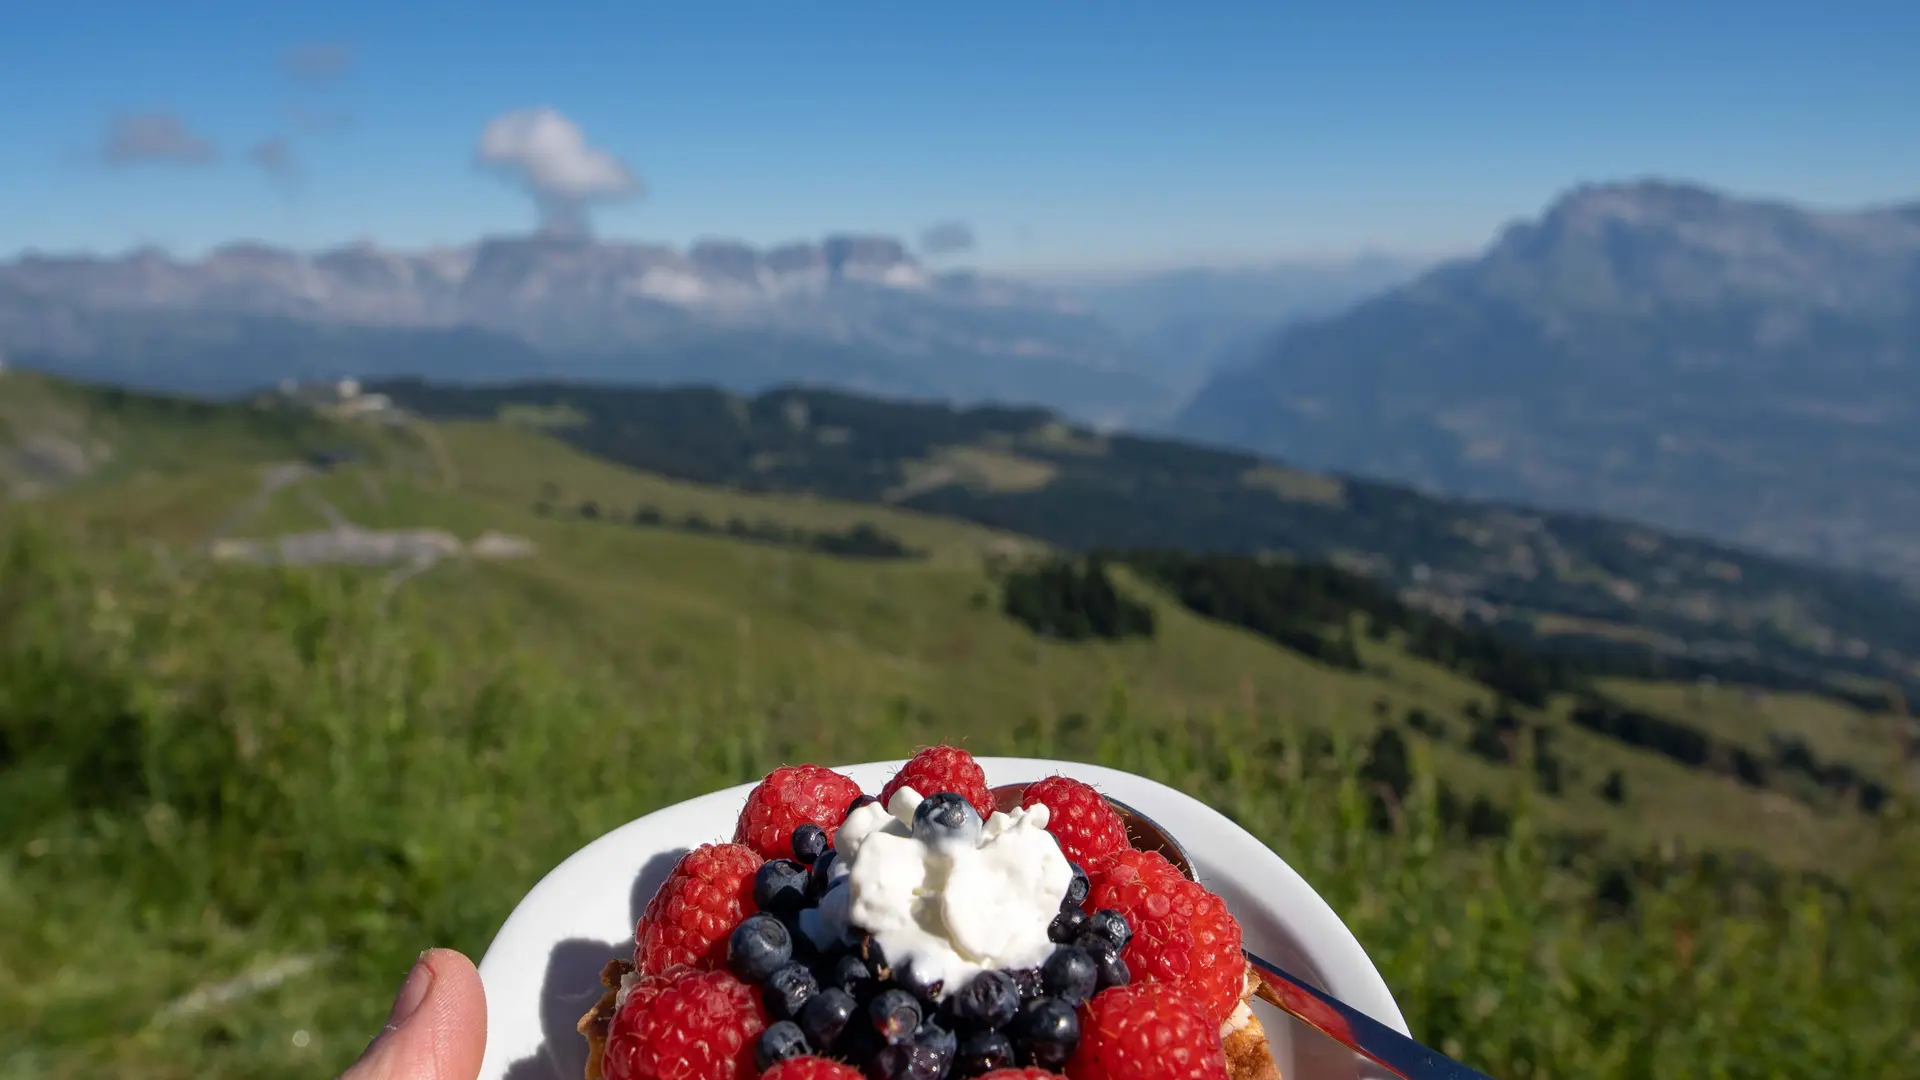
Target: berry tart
x=926 y=934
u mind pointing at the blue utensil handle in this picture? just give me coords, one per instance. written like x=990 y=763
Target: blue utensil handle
x=1355 y=1030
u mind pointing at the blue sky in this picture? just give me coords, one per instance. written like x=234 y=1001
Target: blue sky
x=1067 y=135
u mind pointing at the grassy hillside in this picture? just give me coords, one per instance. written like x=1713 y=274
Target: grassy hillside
x=280 y=783
x=1647 y=600
x=54 y=434
x=662 y=612
x=269 y=788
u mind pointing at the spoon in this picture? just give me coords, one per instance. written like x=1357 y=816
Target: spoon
x=1402 y=1056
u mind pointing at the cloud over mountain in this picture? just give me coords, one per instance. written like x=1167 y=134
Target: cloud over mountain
x=548 y=156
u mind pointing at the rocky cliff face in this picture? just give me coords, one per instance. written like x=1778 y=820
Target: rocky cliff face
x=1746 y=370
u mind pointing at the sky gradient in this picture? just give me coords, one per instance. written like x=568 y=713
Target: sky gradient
x=1066 y=135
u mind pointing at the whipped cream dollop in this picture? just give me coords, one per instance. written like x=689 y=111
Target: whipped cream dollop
x=947 y=909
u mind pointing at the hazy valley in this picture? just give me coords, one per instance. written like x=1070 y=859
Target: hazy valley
x=1731 y=368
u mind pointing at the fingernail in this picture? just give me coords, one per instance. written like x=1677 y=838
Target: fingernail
x=412 y=992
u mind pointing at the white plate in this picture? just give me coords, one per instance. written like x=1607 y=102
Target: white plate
x=542 y=971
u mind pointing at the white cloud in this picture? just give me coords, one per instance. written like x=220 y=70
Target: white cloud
x=156 y=137
x=548 y=155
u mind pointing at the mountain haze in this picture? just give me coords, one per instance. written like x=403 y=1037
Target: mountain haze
x=1740 y=369
x=855 y=311
x=1193 y=320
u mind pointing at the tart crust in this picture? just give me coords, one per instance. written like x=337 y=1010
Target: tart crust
x=599 y=1019
x=1249 y=1055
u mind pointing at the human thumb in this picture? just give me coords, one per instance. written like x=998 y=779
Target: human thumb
x=437 y=1029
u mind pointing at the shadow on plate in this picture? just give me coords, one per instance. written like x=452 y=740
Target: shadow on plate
x=572 y=985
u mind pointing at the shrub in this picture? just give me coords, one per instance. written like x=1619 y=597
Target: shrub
x=1073 y=600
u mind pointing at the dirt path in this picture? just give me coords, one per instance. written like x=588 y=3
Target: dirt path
x=272 y=480
x=335 y=519
x=449 y=474
x=410 y=552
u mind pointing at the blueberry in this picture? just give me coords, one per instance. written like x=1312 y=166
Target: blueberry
x=1066 y=926
x=944 y=819
x=824 y=959
x=1045 y=1033
x=778 y=1043
x=1111 y=925
x=860 y=801
x=989 y=1001
x=982 y=1053
x=788 y=989
x=925 y=989
x=780 y=886
x=818 y=878
x=1070 y=975
x=1095 y=945
x=1027 y=981
x=825 y=1015
x=759 y=946
x=895 y=1014
x=859 y=1045
x=809 y=843
x=851 y=974
x=1077 y=888
x=905 y=1061
x=1106 y=958
x=944 y=1043
x=804 y=950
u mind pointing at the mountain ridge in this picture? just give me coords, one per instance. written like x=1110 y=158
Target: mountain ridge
x=1744 y=370
x=855 y=308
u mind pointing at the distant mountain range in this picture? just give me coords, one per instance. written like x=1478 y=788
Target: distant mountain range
x=1738 y=369
x=851 y=311
x=1743 y=370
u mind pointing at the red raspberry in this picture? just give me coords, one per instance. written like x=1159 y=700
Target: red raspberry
x=703 y=899
x=1022 y=1074
x=789 y=797
x=698 y=1025
x=809 y=1067
x=1219 y=975
x=1079 y=817
x=645 y=988
x=943 y=768
x=1182 y=934
x=1147 y=1031
x=1128 y=867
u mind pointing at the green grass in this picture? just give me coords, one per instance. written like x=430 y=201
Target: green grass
x=664 y=612
x=212 y=772
x=114 y=435
x=1831 y=728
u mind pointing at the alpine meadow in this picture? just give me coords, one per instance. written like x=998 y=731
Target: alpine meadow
x=288 y=693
